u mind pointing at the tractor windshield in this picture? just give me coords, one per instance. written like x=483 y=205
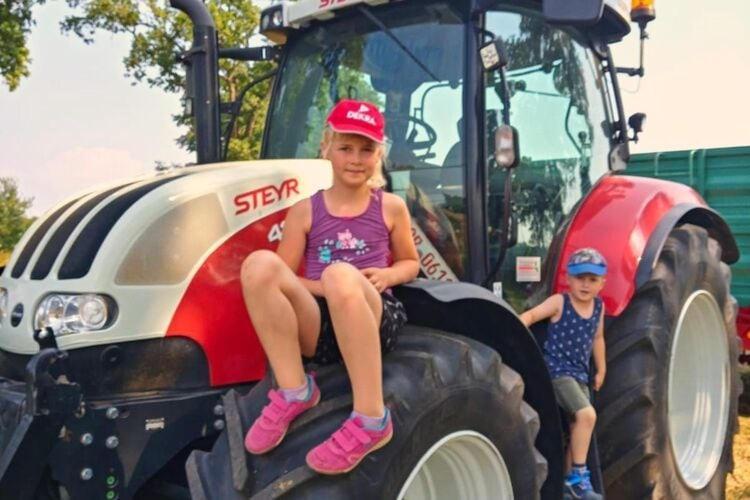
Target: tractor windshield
x=558 y=106
x=415 y=71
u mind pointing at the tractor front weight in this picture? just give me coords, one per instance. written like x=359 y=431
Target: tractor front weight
x=52 y=437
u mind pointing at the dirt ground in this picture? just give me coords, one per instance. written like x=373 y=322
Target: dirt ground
x=738 y=484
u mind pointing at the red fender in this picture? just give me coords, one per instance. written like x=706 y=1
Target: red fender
x=617 y=218
x=212 y=312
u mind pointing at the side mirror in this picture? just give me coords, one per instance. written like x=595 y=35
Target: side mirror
x=636 y=122
x=506 y=146
x=575 y=12
x=493 y=55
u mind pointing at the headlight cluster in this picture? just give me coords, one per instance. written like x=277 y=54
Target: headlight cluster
x=74 y=313
x=272 y=23
x=3 y=304
x=272 y=18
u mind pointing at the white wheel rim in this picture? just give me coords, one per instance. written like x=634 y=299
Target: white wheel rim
x=463 y=464
x=698 y=389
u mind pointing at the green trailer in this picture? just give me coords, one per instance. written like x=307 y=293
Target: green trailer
x=722 y=177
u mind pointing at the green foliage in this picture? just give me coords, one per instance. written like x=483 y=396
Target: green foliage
x=13 y=219
x=15 y=23
x=158 y=34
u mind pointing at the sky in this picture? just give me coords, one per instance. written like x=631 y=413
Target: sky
x=78 y=122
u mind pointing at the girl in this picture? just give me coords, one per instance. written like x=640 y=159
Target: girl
x=356 y=242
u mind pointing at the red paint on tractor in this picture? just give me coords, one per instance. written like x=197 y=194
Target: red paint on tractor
x=743 y=327
x=617 y=217
x=213 y=314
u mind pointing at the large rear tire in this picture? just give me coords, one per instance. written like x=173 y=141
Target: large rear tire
x=462 y=430
x=668 y=408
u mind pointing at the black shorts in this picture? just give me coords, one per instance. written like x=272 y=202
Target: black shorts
x=392 y=319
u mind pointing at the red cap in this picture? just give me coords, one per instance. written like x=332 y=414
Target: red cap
x=357 y=117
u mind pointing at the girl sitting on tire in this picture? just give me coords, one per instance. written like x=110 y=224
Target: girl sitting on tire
x=576 y=329
x=356 y=242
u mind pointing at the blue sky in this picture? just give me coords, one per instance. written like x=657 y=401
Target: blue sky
x=77 y=121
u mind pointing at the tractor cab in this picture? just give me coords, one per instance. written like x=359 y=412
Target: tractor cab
x=418 y=61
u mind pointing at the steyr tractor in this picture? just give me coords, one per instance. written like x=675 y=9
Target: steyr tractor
x=129 y=367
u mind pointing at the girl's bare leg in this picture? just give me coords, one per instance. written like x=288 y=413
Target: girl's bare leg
x=284 y=314
x=356 y=309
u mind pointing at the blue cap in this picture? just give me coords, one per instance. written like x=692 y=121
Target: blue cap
x=587 y=261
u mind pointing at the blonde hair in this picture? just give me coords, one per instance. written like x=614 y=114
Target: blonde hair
x=377 y=180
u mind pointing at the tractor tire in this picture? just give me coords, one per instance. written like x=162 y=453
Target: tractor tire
x=667 y=412
x=452 y=400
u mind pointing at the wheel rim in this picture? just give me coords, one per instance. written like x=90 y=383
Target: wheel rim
x=464 y=464
x=698 y=389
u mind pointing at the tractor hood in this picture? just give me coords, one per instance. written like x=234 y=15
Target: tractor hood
x=139 y=243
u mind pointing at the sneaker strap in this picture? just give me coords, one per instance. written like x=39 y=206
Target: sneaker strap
x=276 y=409
x=349 y=436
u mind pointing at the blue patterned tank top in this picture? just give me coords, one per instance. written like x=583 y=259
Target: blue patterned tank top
x=362 y=240
x=567 y=350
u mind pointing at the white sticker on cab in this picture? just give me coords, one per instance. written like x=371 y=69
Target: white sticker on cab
x=528 y=269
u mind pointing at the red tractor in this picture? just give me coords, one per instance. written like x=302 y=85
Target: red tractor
x=129 y=367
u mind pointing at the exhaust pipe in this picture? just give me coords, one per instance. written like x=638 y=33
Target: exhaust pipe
x=202 y=70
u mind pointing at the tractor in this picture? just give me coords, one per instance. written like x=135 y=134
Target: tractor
x=129 y=367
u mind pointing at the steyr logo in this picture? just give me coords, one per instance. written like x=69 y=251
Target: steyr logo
x=329 y=3
x=264 y=196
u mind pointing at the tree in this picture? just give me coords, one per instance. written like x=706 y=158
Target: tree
x=15 y=23
x=13 y=218
x=158 y=34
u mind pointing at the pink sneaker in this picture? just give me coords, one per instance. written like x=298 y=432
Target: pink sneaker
x=270 y=427
x=347 y=447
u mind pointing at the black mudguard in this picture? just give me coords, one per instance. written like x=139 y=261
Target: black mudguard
x=686 y=213
x=476 y=313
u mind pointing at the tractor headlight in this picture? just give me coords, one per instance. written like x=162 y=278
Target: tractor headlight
x=74 y=313
x=3 y=304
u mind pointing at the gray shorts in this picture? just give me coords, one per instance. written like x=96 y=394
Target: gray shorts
x=571 y=394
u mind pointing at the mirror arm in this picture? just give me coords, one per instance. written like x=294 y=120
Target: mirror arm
x=504 y=239
x=631 y=71
x=639 y=71
x=506 y=96
x=265 y=53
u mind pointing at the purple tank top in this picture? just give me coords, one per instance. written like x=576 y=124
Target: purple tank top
x=362 y=241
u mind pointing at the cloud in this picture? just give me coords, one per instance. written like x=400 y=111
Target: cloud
x=74 y=171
